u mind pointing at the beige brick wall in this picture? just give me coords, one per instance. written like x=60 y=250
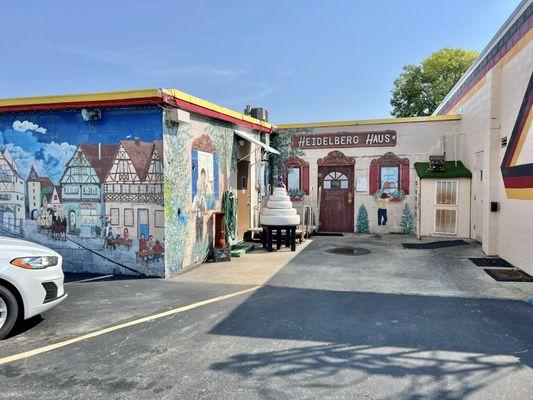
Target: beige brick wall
x=487 y=116
x=415 y=141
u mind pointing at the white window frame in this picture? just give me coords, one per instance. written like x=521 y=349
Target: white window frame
x=299 y=169
x=456 y=192
x=439 y=206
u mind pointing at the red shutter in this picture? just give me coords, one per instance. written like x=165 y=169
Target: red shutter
x=305 y=179
x=373 y=178
x=404 y=178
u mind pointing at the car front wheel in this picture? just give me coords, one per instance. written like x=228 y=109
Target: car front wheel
x=8 y=311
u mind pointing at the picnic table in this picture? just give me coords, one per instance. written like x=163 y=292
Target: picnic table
x=114 y=242
x=147 y=256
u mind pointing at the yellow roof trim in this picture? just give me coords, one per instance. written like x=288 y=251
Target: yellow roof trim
x=74 y=98
x=129 y=94
x=429 y=118
x=178 y=94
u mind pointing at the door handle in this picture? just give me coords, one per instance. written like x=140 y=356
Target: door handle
x=350 y=197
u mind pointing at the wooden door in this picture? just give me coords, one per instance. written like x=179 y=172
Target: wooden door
x=336 y=199
x=243 y=198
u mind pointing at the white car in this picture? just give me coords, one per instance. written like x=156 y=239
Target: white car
x=31 y=281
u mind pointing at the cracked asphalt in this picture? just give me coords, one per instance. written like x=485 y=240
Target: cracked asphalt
x=394 y=323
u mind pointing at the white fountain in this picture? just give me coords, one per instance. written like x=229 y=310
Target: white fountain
x=279 y=210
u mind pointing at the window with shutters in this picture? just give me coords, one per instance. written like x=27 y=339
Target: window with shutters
x=296 y=175
x=293 y=178
x=389 y=173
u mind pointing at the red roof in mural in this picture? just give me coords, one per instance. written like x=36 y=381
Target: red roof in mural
x=45 y=181
x=100 y=157
x=140 y=154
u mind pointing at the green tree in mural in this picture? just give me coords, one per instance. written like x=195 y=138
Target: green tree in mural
x=407 y=222
x=281 y=141
x=362 y=220
x=421 y=88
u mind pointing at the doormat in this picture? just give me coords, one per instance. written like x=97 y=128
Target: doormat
x=328 y=234
x=509 y=275
x=434 y=245
x=491 y=262
x=349 y=251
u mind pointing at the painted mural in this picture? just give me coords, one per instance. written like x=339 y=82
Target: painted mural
x=199 y=158
x=93 y=190
x=517 y=163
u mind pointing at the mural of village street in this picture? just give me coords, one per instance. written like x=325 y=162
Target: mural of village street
x=89 y=190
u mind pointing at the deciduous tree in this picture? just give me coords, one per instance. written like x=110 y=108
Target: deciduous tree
x=420 y=88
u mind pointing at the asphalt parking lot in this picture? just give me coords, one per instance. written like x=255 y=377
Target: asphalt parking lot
x=394 y=323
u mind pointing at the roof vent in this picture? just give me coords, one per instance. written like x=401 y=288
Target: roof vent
x=137 y=141
x=503 y=142
x=436 y=163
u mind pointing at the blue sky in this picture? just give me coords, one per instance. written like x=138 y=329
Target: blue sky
x=303 y=60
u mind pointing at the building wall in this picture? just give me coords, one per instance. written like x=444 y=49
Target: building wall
x=489 y=113
x=47 y=141
x=428 y=207
x=191 y=200
x=415 y=141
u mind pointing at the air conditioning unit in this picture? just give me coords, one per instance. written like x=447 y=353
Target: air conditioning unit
x=260 y=113
x=176 y=116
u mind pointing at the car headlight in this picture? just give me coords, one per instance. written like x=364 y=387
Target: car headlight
x=35 y=262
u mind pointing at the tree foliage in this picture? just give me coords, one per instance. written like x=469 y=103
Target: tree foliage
x=362 y=220
x=421 y=88
x=281 y=141
x=407 y=222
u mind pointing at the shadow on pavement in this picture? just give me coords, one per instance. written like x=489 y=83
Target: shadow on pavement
x=456 y=344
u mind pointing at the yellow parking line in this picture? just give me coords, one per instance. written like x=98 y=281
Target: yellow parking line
x=68 y=342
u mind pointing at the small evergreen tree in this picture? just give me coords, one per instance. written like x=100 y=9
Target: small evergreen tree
x=362 y=220
x=407 y=222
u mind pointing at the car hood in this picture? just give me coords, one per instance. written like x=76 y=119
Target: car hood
x=23 y=246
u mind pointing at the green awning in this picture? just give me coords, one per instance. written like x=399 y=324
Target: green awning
x=451 y=170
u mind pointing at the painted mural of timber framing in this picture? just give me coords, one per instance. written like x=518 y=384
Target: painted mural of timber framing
x=107 y=179
x=12 y=193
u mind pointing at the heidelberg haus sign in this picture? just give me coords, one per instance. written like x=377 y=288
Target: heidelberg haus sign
x=344 y=139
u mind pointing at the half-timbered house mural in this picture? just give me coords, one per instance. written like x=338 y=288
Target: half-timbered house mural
x=12 y=193
x=81 y=189
x=134 y=190
x=110 y=180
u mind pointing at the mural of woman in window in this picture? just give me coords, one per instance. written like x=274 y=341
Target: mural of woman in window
x=199 y=204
